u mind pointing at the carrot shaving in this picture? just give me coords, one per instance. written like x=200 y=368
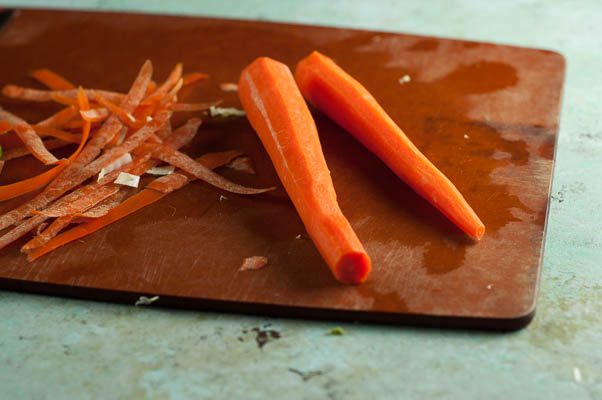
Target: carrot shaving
x=29 y=94
x=43 y=131
x=124 y=116
x=60 y=119
x=29 y=185
x=17 y=152
x=52 y=80
x=193 y=106
x=81 y=204
x=5 y=127
x=181 y=160
x=48 y=233
x=70 y=178
x=29 y=137
x=94 y=114
x=195 y=77
x=65 y=100
x=129 y=206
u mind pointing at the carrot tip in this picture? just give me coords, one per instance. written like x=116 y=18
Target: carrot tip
x=480 y=232
x=353 y=268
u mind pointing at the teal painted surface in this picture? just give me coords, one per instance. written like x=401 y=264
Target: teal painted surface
x=58 y=348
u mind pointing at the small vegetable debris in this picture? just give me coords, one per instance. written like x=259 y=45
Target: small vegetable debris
x=225 y=112
x=127 y=179
x=242 y=164
x=115 y=165
x=404 y=79
x=161 y=171
x=145 y=301
x=229 y=87
x=253 y=263
x=337 y=331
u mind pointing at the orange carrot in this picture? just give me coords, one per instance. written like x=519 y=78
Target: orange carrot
x=280 y=117
x=52 y=80
x=330 y=89
x=29 y=137
x=129 y=206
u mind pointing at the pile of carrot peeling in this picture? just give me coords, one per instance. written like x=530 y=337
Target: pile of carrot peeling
x=119 y=138
x=123 y=136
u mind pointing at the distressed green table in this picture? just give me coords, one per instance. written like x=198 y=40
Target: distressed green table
x=58 y=348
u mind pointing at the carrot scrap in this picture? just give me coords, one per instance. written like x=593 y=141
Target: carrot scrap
x=16 y=152
x=44 y=131
x=328 y=87
x=279 y=115
x=253 y=263
x=52 y=80
x=124 y=116
x=68 y=178
x=242 y=164
x=5 y=126
x=22 y=93
x=48 y=233
x=94 y=114
x=81 y=203
x=60 y=119
x=194 y=106
x=29 y=185
x=129 y=206
x=181 y=160
x=29 y=137
x=228 y=87
x=194 y=77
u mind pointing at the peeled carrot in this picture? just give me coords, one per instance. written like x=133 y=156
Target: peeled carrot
x=330 y=89
x=129 y=206
x=280 y=117
x=51 y=79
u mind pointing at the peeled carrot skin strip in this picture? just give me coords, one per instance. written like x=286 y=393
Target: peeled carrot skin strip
x=29 y=94
x=180 y=137
x=346 y=101
x=30 y=139
x=129 y=206
x=52 y=79
x=279 y=115
x=63 y=183
x=181 y=160
x=29 y=185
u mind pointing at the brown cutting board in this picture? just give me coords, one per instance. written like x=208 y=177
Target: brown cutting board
x=485 y=114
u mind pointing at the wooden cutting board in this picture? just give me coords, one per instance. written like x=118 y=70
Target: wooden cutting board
x=485 y=114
